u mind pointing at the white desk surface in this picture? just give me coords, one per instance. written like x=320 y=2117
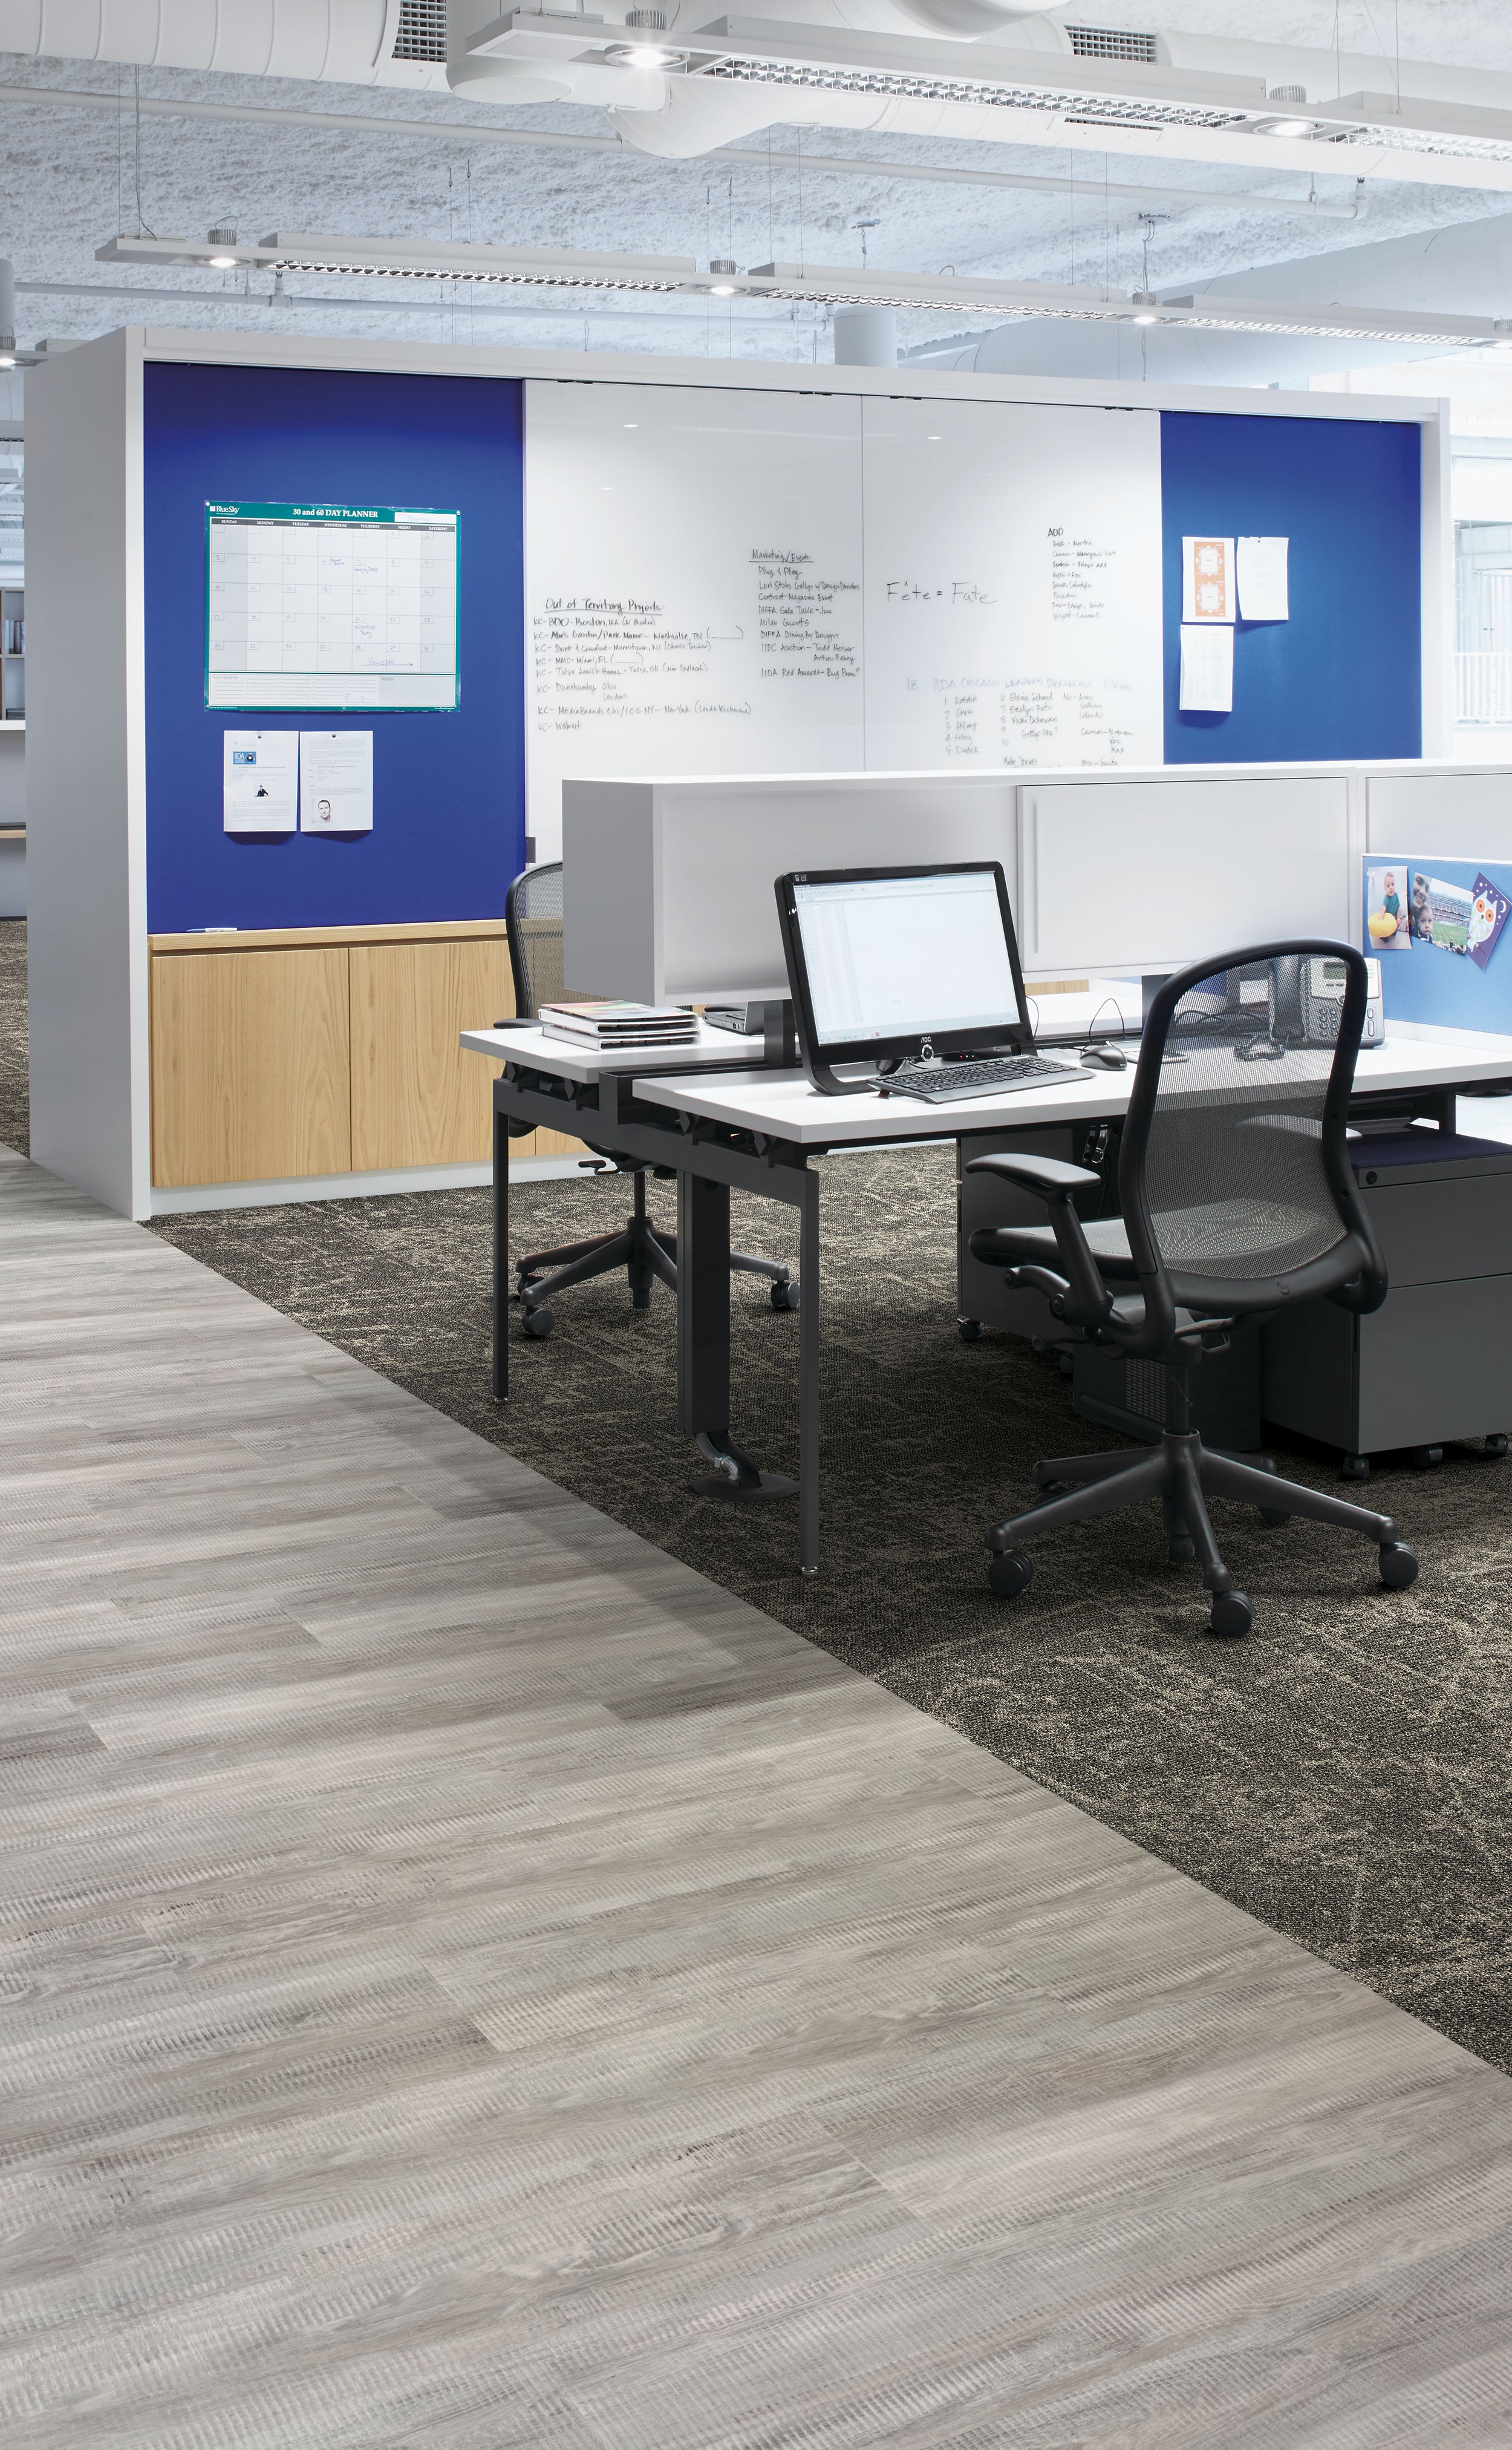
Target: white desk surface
x=783 y=1105
x=588 y=1063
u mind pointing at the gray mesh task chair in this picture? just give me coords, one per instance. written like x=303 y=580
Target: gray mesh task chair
x=532 y=915
x=1238 y=1200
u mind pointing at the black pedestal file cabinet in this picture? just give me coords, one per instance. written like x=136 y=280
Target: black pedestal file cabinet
x=1435 y=1361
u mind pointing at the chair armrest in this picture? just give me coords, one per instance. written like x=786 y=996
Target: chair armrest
x=511 y=1020
x=1087 y=1301
x=1047 y=1176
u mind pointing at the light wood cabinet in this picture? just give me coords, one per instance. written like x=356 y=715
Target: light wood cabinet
x=251 y=1061
x=417 y=1097
x=324 y=1050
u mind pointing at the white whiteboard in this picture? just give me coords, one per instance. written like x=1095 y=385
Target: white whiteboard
x=692 y=585
x=1013 y=585
x=769 y=583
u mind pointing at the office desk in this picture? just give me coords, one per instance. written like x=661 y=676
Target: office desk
x=723 y=1123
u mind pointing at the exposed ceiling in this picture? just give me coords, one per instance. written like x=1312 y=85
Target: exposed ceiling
x=71 y=176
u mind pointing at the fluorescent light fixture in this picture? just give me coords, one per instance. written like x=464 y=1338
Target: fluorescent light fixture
x=548 y=267
x=578 y=270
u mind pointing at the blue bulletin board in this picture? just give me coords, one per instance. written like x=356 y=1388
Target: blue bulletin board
x=448 y=784
x=1343 y=676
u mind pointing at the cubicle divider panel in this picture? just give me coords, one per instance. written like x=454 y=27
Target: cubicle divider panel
x=447 y=828
x=1342 y=675
x=1444 y=809
x=670 y=886
x=1129 y=877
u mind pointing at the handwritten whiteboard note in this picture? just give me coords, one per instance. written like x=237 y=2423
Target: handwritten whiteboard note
x=1013 y=585
x=737 y=583
x=693 y=584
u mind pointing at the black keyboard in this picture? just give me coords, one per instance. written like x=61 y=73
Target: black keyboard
x=990 y=1077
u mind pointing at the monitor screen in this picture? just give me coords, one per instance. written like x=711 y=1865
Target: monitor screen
x=892 y=957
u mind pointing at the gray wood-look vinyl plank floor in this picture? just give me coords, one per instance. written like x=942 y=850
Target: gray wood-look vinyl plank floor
x=471 y=1981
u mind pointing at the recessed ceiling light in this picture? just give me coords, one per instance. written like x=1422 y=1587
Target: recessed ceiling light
x=1147 y=319
x=1288 y=127
x=222 y=263
x=934 y=438
x=723 y=289
x=632 y=425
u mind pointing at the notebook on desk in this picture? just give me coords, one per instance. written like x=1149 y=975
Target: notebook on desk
x=910 y=975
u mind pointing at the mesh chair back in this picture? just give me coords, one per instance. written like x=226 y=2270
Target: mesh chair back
x=532 y=915
x=1235 y=1143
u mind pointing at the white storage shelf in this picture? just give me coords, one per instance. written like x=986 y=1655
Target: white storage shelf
x=13 y=658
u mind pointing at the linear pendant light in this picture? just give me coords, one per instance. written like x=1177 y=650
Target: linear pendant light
x=1121 y=104
x=580 y=269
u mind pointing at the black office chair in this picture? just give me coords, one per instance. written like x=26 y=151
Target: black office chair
x=532 y=916
x=1238 y=1200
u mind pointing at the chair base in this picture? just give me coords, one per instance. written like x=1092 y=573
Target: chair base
x=647 y=1255
x=1183 y=1473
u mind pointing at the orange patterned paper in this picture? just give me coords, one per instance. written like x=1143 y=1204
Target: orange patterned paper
x=1211 y=578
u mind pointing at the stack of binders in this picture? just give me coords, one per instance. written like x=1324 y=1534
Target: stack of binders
x=614 y=1023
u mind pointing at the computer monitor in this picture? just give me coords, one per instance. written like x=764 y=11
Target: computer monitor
x=902 y=961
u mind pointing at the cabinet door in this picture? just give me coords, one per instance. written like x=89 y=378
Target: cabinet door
x=417 y=1097
x=251 y=1066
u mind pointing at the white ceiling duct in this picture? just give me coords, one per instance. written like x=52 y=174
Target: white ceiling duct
x=352 y=41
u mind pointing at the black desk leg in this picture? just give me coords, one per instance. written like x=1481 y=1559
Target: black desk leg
x=702 y=1344
x=501 y=1257
x=809 y=1378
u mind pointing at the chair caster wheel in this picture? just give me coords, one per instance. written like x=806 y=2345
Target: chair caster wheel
x=1231 y=1614
x=1426 y=1458
x=537 y=1322
x=1399 y=1566
x=785 y=1296
x=969 y=1330
x=1353 y=1466
x=1011 y=1574
x=1271 y=1514
x=1496 y=1445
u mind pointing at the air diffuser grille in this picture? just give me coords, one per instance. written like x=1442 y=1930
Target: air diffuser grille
x=1111 y=43
x=422 y=30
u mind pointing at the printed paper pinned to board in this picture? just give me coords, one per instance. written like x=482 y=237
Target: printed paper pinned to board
x=1206 y=670
x=1489 y=912
x=1207 y=578
x=1261 y=570
x=260 y=781
x=335 y=782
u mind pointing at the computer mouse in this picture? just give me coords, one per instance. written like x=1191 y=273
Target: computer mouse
x=1105 y=1057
